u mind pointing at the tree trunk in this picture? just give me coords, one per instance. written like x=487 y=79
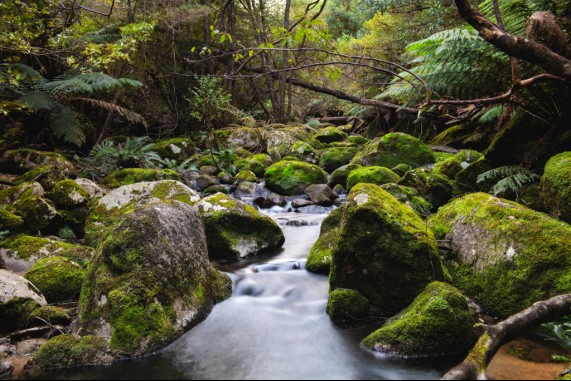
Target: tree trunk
x=282 y=117
x=109 y=120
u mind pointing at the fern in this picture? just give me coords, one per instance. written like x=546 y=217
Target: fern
x=492 y=114
x=88 y=83
x=129 y=115
x=105 y=35
x=509 y=179
x=66 y=126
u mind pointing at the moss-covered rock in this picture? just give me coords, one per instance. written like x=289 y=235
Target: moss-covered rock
x=59 y=279
x=256 y=163
x=67 y=194
x=67 y=351
x=251 y=139
x=321 y=254
x=21 y=252
x=130 y=176
x=347 y=305
x=203 y=182
x=433 y=187
x=47 y=175
x=12 y=194
x=504 y=256
x=383 y=250
x=179 y=149
x=292 y=177
x=303 y=151
x=556 y=186
x=18 y=298
x=340 y=175
x=216 y=189
x=91 y=188
x=330 y=135
x=402 y=169
x=39 y=214
x=394 y=149
x=438 y=322
x=49 y=314
x=452 y=136
x=150 y=279
x=409 y=197
x=358 y=140
x=246 y=175
x=235 y=229
x=321 y=194
x=468 y=156
x=371 y=175
x=334 y=158
x=11 y=223
x=23 y=160
x=126 y=199
x=449 y=167
x=467 y=180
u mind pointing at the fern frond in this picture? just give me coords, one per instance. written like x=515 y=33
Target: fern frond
x=511 y=178
x=129 y=115
x=492 y=114
x=66 y=126
x=87 y=83
x=38 y=101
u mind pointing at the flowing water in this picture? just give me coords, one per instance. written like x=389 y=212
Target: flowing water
x=273 y=327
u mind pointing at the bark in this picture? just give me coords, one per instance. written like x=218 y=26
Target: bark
x=474 y=366
x=515 y=46
x=109 y=119
x=285 y=64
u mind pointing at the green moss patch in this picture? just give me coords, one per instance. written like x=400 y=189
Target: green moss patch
x=130 y=176
x=292 y=177
x=371 y=175
x=68 y=351
x=556 y=186
x=59 y=279
x=334 y=158
x=347 y=305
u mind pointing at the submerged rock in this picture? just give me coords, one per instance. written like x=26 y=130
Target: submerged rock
x=236 y=230
x=150 y=280
x=438 y=322
x=504 y=256
x=556 y=186
x=291 y=178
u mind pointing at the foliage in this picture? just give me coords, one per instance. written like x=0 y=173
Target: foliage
x=208 y=100
x=185 y=166
x=561 y=331
x=510 y=179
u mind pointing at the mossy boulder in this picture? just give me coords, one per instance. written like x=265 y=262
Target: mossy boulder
x=467 y=180
x=321 y=194
x=24 y=160
x=503 y=255
x=435 y=188
x=256 y=163
x=179 y=149
x=292 y=177
x=91 y=188
x=59 y=279
x=67 y=351
x=246 y=175
x=303 y=151
x=556 y=186
x=150 y=280
x=340 y=175
x=251 y=139
x=67 y=194
x=409 y=197
x=321 y=254
x=334 y=158
x=50 y=314
x=438 y=322
x=371 y=175
x=48 y=176
x=126 y=199
x=11 y=223
x=449 y=167
x=279 y=141
x=21 y=252
x=12 y=194
x=345 y=306
x=330 y=135
x=130 y=176
x=383 y=250
x=468 y=156
x=39 y=214
x=394 y=149
x=358 y=140
x=236 y=230
x=216 y=189
x=18 y=299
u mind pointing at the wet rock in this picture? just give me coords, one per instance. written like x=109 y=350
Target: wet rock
x=347 y=305
x=321 y=254
x=249 y=190
x=301 y=203
x=270 y=201
x=321 y=194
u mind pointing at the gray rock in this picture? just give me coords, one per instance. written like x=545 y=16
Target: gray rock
x=206 y=181
x=301 y=203
x=209 y=170
x=13 y=286
x=321 y=194
x=29 y=347
x=92 y=188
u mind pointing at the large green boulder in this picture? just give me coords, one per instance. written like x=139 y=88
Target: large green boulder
x=39 y=214
x=394 y=149
x=256 y=163
x=67 y=194
x=383 y=250
x=334 y=158
x=409 y=197
x=19 y=253
x=235 y=229
x=18 y=299
x=321 y=254
x=292 y=177
x=150 y=280
x=126 y=199
x=438 y=322
x=556 y=186
x=371 y=175
x=449 y=167
x=435 y=188
x=503 y=255
x=67 y=351
x=130 y=176
x=59 y=279
x=346 y=306
x=178 y=149
x=340 y=175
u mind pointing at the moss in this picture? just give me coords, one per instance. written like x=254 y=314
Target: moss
x=246 y=175
x=449 y=167
x=51 y=315
x=292 y=177
x=39 y=214
x=394 y=149
x=215 y=189
x=303 y=151
x=340 y=175
x=334 y=158
x=433 y=187
x=467 y=179
x=68 y=351
x=137 y=175
x=321 y=254
x=12 y=194
x=67 y=194
x=347 y=305
x=401 y=169
x=468 y=156
x=438 y=322
x=256 y=163
x=48 y=176
x=24 y=160
x=330 y=135
x=383 y=250
x=59 y=279
x=452 y=136
x=11 y=222
x=358 y=140
x=556 y=186
x=14 y=314
x=441 y=156
x=178 y=149
x=409 y=197
x=506 y=257
x=29 y=249
x=371 y=175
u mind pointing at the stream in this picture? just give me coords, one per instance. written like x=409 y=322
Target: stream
x=274 y=326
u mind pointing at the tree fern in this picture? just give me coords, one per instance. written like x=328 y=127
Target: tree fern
x=66 y=126
x=88 y=83
x=509 y=179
